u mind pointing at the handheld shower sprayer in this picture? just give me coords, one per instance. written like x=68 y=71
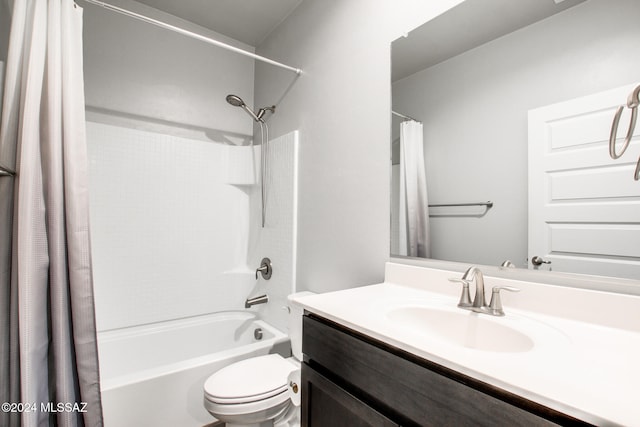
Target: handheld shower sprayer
x=236 y=101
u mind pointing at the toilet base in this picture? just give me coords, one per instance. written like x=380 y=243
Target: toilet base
x=289 y=418
x=262 y=424
x=262 y=418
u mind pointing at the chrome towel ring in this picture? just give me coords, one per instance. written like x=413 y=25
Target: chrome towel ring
x=632 y=102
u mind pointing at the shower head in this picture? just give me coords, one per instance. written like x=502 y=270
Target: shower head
x=236 y=101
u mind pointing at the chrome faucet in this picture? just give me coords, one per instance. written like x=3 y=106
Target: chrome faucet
x=262 y=299
x=479 y=304
x=474 y=273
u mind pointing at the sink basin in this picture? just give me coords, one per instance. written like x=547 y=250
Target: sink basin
x=462 y=328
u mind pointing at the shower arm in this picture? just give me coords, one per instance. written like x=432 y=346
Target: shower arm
x=263 y=111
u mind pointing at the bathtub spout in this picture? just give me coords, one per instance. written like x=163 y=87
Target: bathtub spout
x=262 y=299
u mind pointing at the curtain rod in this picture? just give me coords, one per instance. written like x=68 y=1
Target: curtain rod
x=404 y=117
x=191 y=34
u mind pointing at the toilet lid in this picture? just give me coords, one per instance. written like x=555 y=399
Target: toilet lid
x=252 y=379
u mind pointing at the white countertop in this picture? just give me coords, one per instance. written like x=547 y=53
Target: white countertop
x=587 y=366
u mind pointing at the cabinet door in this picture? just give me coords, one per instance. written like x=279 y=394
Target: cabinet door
x=411 y=390
x=325 y=404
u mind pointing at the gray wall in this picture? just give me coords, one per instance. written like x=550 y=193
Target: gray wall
x=474 y=108
x=137 y=70
x=341 y=107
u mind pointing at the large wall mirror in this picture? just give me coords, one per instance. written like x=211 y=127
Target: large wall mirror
x=492 y=91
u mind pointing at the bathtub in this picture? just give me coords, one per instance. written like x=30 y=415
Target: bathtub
x=153 y=375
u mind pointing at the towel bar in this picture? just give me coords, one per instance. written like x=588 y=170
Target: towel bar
x=488 y=204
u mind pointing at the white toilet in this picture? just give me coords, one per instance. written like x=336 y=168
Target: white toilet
x=261 y=389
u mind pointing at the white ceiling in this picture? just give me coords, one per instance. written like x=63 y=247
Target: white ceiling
x=466 y=26
x=249 y=21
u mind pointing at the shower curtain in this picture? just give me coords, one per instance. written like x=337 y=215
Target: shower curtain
x=49 y=363
x=414 y=207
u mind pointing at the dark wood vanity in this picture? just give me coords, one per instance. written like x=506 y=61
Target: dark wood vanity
x=350 y=379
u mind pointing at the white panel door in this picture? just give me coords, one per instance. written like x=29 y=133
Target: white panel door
x=584 y=207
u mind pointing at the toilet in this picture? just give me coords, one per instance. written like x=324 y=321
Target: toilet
x=261 y=390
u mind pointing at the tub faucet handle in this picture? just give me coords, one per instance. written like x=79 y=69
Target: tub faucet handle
x=265 y=269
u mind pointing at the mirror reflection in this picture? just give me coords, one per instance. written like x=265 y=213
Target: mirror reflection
x=500 y=125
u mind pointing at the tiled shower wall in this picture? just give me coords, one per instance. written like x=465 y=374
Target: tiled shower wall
x=169 y=229
x=277 y=240
x=175 y=226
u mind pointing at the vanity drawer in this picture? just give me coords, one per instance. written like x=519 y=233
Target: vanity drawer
x=325 y=403
x=411 y=390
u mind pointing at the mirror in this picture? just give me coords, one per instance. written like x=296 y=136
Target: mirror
x=471 y=76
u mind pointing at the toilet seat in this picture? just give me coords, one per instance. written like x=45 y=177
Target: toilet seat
x=254 y=380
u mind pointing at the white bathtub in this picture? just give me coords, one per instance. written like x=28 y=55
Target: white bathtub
x=153 y=375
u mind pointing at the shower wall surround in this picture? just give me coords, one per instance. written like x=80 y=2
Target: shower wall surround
x=278 y=239
x=169 y=234
x=176 y=226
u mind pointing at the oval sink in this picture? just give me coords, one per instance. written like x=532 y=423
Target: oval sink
x=462 y=328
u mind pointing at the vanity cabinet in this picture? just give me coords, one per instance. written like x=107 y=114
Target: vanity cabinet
x=332 y=405
x=350 y=379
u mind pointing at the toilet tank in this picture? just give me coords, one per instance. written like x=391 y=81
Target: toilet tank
x=295 y=323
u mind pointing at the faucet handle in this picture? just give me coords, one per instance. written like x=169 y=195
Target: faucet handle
x=266 y=269
x=508 y=264
x=495 y=306
x=497 y=289
x=465 y=297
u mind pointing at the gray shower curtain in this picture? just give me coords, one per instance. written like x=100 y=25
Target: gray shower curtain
x=49 y=364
